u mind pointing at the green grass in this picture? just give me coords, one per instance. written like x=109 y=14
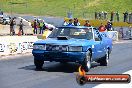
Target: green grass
x=59 y=8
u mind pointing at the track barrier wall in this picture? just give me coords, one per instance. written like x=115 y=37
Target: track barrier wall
x=10 y=45
x=113 y=35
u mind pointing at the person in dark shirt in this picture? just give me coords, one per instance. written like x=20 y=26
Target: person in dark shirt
x=35 y=27
x=70 y=23
x=112 y=15
x=87 y=23
x=109 y=26
x=44 y=27
x=96 y=15
x=117 y=15
x=21 y=27
x=125 y=16
x=12 y=23
x=76 y=23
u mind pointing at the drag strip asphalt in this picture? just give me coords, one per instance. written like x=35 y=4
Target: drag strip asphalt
x=20 y=72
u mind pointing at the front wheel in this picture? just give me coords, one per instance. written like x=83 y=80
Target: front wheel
x=104 y=60
x=38 y=63
x=87 y=62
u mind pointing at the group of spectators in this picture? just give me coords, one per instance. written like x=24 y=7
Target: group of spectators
x=38 y=25
x=104 y=15
x=101 y=15
x=12 y=26
x=71 y=22
x=123 y=33
x=75 y=23
x=102 y=27
x=107 y=27
x=126 y=16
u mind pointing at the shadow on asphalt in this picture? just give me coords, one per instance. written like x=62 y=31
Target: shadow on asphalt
x=57 y=67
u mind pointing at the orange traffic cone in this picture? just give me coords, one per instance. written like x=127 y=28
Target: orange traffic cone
x=19 y=33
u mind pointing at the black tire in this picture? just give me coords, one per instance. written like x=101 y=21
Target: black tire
x=38 y=63
x=86 y=64
x=104 y=60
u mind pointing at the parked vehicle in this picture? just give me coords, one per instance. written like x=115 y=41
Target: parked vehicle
x=73 y=44
x=6 y=20
x=1 y=17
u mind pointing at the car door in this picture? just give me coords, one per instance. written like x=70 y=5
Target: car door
x=99 y=45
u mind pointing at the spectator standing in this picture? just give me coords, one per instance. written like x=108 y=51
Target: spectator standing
x=130 y=31
x=105 y=15
x=44 y=27
x=41 y=27
x=112 y=15
x=21 y=27
x=38 y=24
x=109 y=26
x=12 y=24
x=96 y=15
x=65 y=23
x=130 y=17
x=117 y=15
x=99 y=15
x=76 y=23
x=121 y=35
x=35 y=26
x=102 y=28
x=70 y=23
x=125 y=16
x=102 y=15
x=87 y=23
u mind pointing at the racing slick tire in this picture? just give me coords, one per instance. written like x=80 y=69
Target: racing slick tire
x=38 y=63
x=104 y=60
x=86 y=64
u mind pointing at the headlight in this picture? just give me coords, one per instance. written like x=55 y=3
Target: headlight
x=40 y=47
x=75 y=48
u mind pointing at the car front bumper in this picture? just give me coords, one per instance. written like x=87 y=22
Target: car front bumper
x=59 y=56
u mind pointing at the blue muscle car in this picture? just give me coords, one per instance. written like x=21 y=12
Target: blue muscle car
x=73 y=44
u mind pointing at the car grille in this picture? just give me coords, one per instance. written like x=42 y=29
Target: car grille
x=56 y=47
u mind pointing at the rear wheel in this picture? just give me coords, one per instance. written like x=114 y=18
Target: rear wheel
x=38 y=63
x=104 y=60
x=87 y=62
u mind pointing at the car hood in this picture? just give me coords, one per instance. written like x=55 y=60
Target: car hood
x=71 y=42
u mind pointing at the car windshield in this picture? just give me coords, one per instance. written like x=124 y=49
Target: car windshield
x=72 y=33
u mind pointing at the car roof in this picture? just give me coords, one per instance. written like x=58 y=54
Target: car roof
x=76 y=27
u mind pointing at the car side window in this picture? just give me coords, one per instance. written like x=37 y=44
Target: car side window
x=96 y=37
